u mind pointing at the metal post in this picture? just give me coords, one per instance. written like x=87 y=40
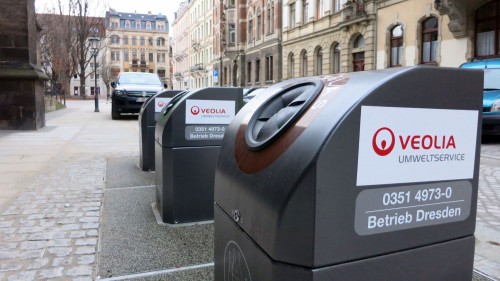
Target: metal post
x=95 y=80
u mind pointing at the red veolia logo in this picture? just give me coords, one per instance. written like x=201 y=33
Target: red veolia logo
x=160 y=104
x=380 y=139
x=195 y=110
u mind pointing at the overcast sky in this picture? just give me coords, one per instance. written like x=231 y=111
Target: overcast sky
x=165 y=7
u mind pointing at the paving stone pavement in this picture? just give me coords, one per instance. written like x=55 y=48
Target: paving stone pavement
x=51 y=230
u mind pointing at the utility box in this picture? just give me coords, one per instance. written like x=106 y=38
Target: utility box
x=150 y=111
x=358 y=176
x=188 y=137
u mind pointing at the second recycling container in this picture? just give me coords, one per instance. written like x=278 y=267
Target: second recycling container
x=188 y=136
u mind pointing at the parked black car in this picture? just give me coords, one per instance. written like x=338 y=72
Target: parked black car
x=131 y=90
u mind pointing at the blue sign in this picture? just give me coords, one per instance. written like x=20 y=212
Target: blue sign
x=216 y=72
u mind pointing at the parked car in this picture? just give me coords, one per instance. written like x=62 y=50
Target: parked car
x=491 y=94
x=131 y=90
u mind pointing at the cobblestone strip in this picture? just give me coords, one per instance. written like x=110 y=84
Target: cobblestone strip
x=488 y=210
x=51 y=230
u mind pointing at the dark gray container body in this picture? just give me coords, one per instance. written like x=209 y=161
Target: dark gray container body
x=148 y=115
x=188 y=136
x=310 y=199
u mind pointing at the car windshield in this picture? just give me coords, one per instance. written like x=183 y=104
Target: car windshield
x=492 y=78
x=142 y=79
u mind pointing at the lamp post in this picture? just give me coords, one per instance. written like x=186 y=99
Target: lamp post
x=94 y=44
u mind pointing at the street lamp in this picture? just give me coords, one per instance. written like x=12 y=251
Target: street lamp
x=94 y=44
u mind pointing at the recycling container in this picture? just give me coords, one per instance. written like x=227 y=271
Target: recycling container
x=188 y=136
x=148 y=115
x=360 y=176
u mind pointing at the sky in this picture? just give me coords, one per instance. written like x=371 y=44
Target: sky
x=165 y=7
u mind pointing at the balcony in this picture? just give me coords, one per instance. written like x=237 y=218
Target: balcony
x=198 y=70
x=139 y=63
x=179 y=56
x=353 y=9
x=196 y=45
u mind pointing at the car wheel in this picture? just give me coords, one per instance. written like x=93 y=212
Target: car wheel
x=115 y=115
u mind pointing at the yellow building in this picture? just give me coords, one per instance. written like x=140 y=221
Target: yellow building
x=138 y=43
x=440 y=32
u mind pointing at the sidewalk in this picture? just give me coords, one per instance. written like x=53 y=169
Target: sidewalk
x=53 y=189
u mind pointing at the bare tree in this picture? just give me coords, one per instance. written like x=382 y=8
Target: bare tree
x=56 y=41
x=84 y=27
x=108 y=73
x=66 y=50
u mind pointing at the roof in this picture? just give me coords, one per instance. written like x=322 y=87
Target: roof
x=489 y=63
x=135 y=16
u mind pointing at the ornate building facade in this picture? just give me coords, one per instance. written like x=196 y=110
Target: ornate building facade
x=261 y=42
x=138 y=43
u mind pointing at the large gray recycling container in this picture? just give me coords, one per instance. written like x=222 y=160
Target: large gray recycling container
x=360 y=176
x=148 y=115
x=188 y=136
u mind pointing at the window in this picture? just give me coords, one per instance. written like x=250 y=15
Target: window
x=160 y=41
x=259 y=24
x=303 y=70
x=335 y=54
x=336 y=5
x=429 y=40
x=143 y=24
x=396 y=46
x=143 y=41
x=115 y=56
x=161 y=57
x=488 y=30
x=125 y=56
x=292 y=16
x=232 y=34
x=150 y=41
x=359 y=42
x=134 y=40
x=250 y=30
x=257 y=70
x=125 y=40
x=270 y=17
x=319 y=9
x=249 y=71
x=151 y=57
x=319 y=62
x=269 y=68
x=143 y=57
x=115 y=39
x=291 y=66
x=305 y=14
x=161 y=73
x=358 y=61
x=134 y=55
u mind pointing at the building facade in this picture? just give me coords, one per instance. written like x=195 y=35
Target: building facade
x=441 y=32
x=259 y=43
x=138 y=43
x=327 y=36
x=194 y=45
x=181 y=48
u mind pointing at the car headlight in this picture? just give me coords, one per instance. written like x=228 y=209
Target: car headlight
x=119 y=92
x=496 y=106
